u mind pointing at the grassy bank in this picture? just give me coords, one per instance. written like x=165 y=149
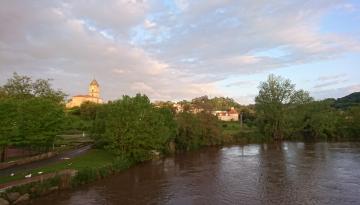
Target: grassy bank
x=95 y=158
x=234 y=132
x=92 y=166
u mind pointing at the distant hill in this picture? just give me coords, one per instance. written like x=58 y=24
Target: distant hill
x=348 y=101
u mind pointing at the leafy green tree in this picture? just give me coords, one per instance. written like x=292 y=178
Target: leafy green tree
x=133 y=128
x=189 y=132
x=210 y=129
x=22 y=87
x=314 y=120
x=88 y=110
x=222 y=103
x=32 y=113
x=18 y=87
x=202 y=102
x=350 y=123
x=197 y=130
x=275 y=96
x=40 y=121
x=8 y=124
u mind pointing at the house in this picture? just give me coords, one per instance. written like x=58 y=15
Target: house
x=230 y=115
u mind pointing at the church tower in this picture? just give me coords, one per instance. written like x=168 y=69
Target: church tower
x=94 y=89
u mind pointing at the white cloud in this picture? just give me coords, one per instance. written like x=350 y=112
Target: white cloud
x=177 y=52
x=336 y=92
x=149 y=24
x=332 y=77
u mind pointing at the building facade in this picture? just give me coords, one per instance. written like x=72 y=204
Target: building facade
x=93 y=96
x=230 y=115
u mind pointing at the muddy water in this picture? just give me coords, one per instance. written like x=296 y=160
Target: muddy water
x=290 y=173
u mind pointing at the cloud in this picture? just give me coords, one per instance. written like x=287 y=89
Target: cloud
x=332 y=77
x=336 y=92
x=168 y=51
x=229 y=33
x=240 y=83
x=149 y=24
x=330 y=83
x=117 y=16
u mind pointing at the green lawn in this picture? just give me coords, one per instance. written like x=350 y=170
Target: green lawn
x=94 y=158
x=230 y=128
x=73 y=140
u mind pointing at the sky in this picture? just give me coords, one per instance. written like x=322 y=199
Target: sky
x=181 y=49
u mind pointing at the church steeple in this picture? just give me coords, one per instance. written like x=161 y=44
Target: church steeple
x=94 y=89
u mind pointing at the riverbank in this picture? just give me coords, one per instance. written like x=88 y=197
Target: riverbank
x=280 y=173
x=91 y=166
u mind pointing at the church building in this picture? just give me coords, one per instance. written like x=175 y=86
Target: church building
x=93 y=96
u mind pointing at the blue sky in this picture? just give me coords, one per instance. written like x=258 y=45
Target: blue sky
x=180 y=49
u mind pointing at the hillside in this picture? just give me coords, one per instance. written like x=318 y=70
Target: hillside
x=348 y=101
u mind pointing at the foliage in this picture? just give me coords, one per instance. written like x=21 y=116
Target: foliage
x=216 y=103
x=315 y=120
x=248 y=115
x=196 y=130
x=275 y=95
x=284 y=113
x=88 y=110
x=39 y=121
x=31 y=113
x=132 y=127
x=22 y=87
x=188 y=136
x=350 y=123
x=348 y=101
x=8 y=124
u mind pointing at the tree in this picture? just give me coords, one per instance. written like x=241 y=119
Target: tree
x=189 y=132
x=31 y=113
x=202 y=102
x=222 y=103
x=313 y=120
x=40 y=121
x=350 y=123
x=197 y=130
x=88 y=110
x=133 y=128
x=22 y=87
x=275 y=95
x=8 y=124
x=210 y=130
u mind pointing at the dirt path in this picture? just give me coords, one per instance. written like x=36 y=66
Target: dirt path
x=37 y=164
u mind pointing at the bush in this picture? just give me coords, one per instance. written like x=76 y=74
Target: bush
x=85 y=176
x=133 y=128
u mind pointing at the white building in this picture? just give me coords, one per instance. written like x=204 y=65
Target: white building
x=230 y=115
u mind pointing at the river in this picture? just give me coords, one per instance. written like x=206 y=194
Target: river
x=288 y=173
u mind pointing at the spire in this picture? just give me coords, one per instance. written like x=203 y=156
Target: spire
x=94 y=82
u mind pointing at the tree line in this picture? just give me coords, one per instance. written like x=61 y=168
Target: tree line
x=33 y=114
x=282 y=112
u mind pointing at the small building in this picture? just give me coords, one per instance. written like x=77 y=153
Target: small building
x=178 y=108
x=230 y=115
x=93 y=96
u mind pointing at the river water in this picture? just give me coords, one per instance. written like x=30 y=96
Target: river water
x=288 y=173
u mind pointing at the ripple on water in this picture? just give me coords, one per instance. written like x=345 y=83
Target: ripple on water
x=294 y=173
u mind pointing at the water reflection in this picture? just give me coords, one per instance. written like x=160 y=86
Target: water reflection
x=288 y=173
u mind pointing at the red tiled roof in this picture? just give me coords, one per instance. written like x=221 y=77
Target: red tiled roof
x=233 y=112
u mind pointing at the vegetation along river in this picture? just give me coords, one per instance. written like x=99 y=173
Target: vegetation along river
x=288 y=173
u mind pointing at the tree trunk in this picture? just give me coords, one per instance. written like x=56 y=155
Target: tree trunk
x=3 y=154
